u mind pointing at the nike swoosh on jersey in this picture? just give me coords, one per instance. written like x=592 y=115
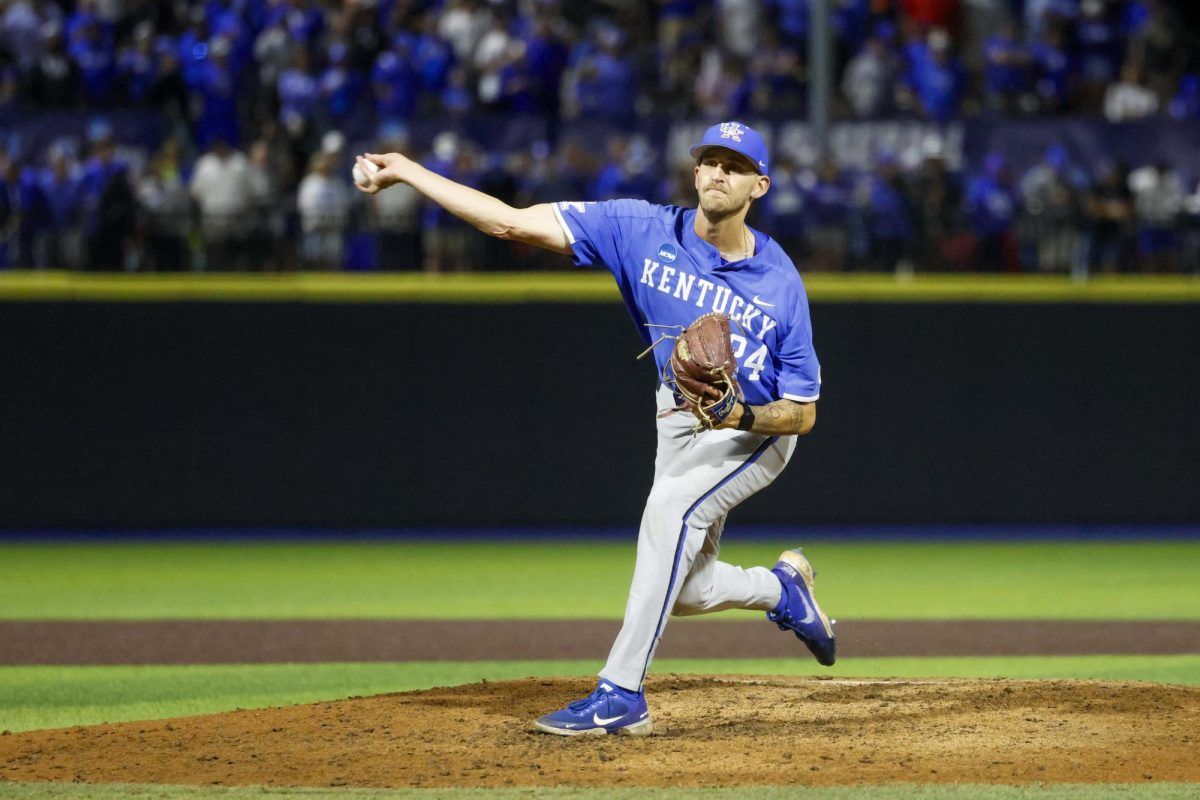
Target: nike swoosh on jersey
x=599 y=720
x=759 y=302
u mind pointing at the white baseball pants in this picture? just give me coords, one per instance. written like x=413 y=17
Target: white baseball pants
x=698 y=478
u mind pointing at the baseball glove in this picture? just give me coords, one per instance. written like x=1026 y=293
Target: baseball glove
x=703 y=371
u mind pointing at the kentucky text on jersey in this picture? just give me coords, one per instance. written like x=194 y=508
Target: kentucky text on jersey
x=678 y=283
x=668 y=276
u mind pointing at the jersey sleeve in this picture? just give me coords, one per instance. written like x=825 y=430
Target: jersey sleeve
x=595 y=230
x=799 y=370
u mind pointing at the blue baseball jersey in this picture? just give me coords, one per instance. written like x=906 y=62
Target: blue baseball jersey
x=669 y=276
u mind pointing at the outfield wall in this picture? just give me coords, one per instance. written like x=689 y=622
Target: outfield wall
x=384 y=412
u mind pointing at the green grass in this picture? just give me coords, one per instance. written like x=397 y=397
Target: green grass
x=281 y=580
x=52 y=697
x=1150 y=791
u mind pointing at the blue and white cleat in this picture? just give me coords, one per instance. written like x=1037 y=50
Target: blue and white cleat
x=609 y=709
x=798 y=610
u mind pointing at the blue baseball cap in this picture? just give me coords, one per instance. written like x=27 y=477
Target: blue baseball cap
x=738 y=137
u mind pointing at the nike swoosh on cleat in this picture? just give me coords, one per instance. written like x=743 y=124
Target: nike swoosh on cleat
x=809 y=614
x=760 y=302
x=599 y=720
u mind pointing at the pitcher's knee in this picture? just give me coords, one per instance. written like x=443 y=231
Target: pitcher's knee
x=691 y=600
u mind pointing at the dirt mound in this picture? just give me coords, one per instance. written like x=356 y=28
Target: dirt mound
x=723 y=731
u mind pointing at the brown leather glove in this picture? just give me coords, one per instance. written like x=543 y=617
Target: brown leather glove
x=703 y=371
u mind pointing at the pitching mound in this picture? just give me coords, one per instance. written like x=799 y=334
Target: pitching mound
x=708 y=732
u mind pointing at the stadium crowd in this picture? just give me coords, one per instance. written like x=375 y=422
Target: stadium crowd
x=261 y=98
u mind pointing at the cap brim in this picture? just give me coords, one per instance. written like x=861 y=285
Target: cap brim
x=700 y=148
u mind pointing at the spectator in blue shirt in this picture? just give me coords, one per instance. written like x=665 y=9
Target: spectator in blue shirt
x=97 y=65
x=393 y=85
x=339 y=85
x=991 y=208
x=1053 y=70
x=60 y=184
x=888 y=217
x=1006 y=69
x=829 y=202
x=137 y=64
x=604 y=86
x=217 y=89
x=1099 y=44
x=938 y=81
x=1186 y=102
x=545 y=61
x=298 y=96
x=432 y=57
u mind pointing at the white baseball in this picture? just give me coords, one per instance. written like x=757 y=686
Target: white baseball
x=364 y=178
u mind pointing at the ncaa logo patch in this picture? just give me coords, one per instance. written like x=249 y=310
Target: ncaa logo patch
x=667 y=253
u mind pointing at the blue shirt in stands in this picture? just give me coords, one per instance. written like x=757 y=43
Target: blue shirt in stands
x=669 y=276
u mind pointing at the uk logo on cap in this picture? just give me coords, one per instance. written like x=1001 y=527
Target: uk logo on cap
x=732 y=130
x=738 y=137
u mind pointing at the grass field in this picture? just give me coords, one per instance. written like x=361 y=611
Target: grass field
x=507 y=580
x=425 y=579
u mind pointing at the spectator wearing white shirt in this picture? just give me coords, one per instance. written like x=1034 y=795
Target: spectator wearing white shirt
x=1129 y=99
x=1158 y=200
x=222 y=190
x=324 y=205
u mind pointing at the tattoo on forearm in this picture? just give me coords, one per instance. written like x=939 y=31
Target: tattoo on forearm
x=782 y=417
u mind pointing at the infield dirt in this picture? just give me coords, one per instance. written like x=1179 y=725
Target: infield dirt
x=720 y=731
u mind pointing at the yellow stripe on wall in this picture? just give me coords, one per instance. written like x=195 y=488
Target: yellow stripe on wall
x=567 y=287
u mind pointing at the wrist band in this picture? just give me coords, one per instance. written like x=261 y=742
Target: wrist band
x=747 y=420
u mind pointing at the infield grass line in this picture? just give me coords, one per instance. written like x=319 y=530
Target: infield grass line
x=447 y=580
x=899 y=791
x=34 y=698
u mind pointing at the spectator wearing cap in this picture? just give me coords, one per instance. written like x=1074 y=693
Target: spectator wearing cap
x=991 y=208
x=868 y=77
x=62 y=192
x=1052 y=202
x=1186 y=102
x=217 y=89
x=339 y=85
x=273 y=50
x=137 y=64
x=168 y=92
x=221 y=188
x=546 y=60
x=394 y=83
x=783 y=209
x=20 y=31
x=602 y=83
x=432 y=58
x=775 y=75
x=937 y=79
x=829 y=211
x=887 y=215
x=92 y=52
x=1110 y=222
x=323 y=201
x=1006 y=69
x=299 y=96
x=1158 y=194
x=166 y=213
x=1053 y=70
x=55 y=80
x=935 y=197
x=109 y=208
x=1099 y=52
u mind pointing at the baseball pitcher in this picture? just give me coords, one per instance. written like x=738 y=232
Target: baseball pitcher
x=724 y=313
